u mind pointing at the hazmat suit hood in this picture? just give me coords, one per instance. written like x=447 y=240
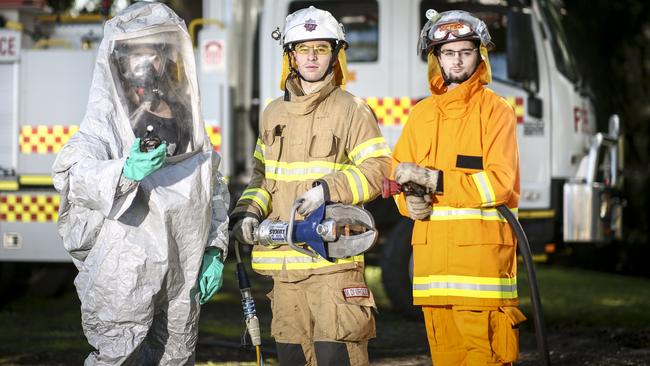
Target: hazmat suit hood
x=138 y=245
x=167 y=99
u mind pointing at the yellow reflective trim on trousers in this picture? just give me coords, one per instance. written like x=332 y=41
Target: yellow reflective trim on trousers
x=275 y=260
x=259 y=196
x=454 y=213
x=465 y=286
x=374 y=147
x=484 y=187
x=260 y=148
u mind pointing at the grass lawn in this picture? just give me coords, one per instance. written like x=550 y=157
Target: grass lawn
x=47 y=331
x=574 y=297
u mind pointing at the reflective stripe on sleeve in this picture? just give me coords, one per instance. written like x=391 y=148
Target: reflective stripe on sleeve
x=259 y=150
x=465 y=286
x=274 y=260
x=372 y=148
x=454 y=213
x=259 y=196
x=488 y=198
x=358 y=184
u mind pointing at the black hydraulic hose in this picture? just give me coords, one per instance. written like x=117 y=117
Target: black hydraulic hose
x=248 y=305
x=538 y=315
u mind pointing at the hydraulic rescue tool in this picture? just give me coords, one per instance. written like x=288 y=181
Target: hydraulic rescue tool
x=391 y=188
x=332 y=231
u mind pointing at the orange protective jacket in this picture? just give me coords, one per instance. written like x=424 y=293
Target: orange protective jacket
x=465 y=252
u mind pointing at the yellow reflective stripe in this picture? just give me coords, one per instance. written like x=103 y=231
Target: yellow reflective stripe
x=35 y=180
x=358 y=184
x=374 y=147
x=442 y=213
x=260 y=148
x=537 y=214
x=259 y=196
x=292 y=260
x=465 y=286
x=353 y=185
x=300 y=171
x=485 y=189
x=8 y=185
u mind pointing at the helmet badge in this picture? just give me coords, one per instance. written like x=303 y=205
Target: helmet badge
x=310 y=25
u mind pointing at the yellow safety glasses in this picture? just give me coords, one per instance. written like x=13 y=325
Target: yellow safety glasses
x=320 y=49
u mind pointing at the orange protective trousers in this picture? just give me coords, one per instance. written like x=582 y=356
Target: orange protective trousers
x=472 y=336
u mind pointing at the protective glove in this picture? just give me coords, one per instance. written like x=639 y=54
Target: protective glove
x=411 y=172
x=419 y=207
x=141 y=164
x=210 y=279
x=311 y=200
x=244 y=229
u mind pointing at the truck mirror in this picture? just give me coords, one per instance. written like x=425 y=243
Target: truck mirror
x=534 y=106
x=522 y=60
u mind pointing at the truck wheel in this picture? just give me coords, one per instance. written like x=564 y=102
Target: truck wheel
x=396 y=270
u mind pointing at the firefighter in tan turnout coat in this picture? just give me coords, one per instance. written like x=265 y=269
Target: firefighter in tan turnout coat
x=317 y=144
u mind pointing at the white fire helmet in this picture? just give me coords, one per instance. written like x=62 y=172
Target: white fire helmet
x=311 y=24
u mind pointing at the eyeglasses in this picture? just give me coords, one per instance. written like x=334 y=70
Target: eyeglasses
x=464 y=53
x=320 y=49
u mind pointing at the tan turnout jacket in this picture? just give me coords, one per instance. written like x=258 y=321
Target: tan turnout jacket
x=329 y=136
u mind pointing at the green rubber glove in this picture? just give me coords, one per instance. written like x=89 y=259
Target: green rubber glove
x=211 y=278
x=140 y=164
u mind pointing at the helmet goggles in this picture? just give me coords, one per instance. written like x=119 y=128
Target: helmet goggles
x=457 y=30
x=451 y=26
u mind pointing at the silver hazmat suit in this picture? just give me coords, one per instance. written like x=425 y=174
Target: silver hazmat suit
x=138 y=246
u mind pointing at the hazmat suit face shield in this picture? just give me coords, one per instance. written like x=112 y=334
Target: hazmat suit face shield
x=153 y=90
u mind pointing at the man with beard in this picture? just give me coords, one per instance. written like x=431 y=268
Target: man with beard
x=461 y=144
